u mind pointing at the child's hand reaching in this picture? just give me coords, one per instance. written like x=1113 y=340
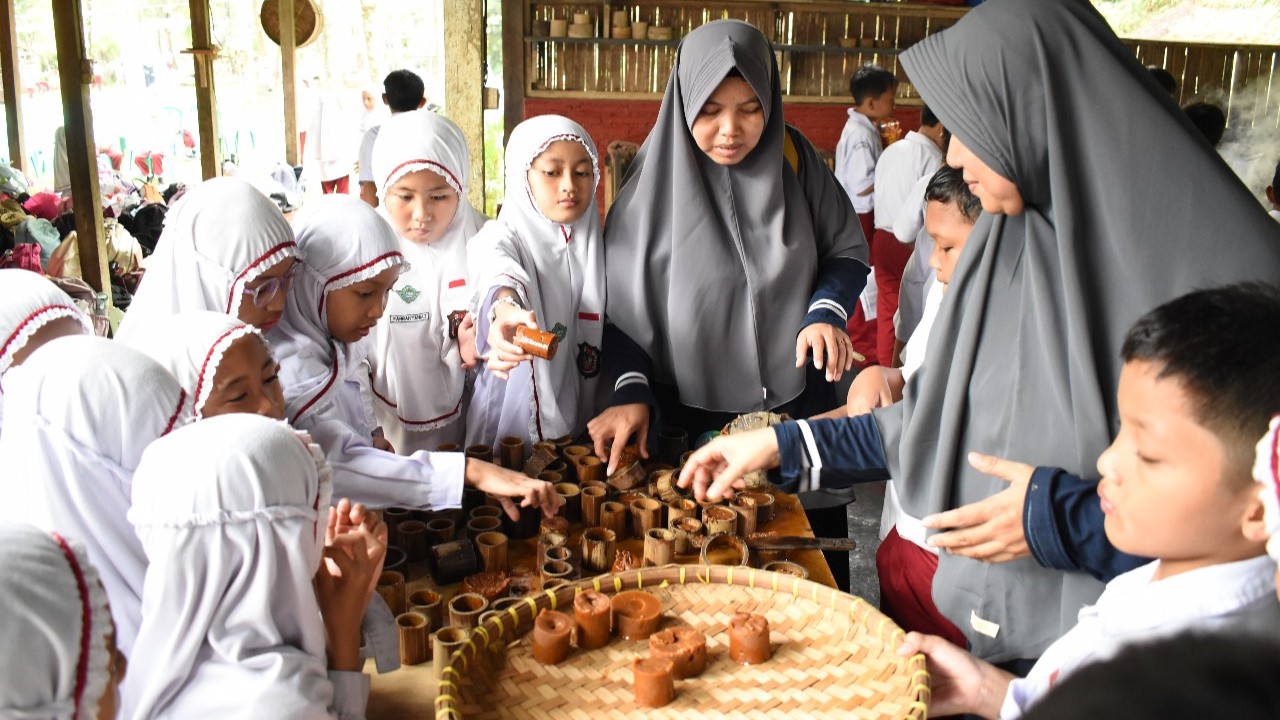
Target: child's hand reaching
x=874 y=387
x=467 y=342
x=715 y=470
x=504 y=354
x=514 y=490
x=962 y=684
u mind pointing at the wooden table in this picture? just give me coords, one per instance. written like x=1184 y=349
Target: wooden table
x=410 y=692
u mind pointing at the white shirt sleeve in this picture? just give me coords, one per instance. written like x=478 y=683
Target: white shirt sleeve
x=366 y=155
x=350 y=694
x=856 y=168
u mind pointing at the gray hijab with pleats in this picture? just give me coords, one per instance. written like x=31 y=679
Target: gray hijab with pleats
x=1126 y=208
x=711 y=268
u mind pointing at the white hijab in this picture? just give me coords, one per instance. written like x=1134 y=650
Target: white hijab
x=341 y=241
x=417 y=369
x=232 y=513
x=81 y=411
x=221 y=235
x=28 y=302
x=54 y=628
x=558 y=272
x=190 y=346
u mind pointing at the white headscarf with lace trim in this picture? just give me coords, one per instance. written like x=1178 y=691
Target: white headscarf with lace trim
x=558 y=272
x=54 y=628
x=232 y=513
x=219 y=237
x=190 y=345
x=81 y=411
x=341 y=241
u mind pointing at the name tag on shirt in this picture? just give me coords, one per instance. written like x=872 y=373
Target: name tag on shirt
x=410 y=318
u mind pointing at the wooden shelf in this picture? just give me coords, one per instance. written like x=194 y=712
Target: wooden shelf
x=624 y=42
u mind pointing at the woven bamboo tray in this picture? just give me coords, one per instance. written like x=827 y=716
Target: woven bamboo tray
x=833 y=656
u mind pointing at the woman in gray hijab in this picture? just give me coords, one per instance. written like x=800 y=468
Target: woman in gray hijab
x=1114 y=196
x=731 y=251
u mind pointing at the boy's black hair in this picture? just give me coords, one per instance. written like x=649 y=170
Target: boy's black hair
x=948 y=187
x=1223 y=346
x=1164 y=78
x=404 y=90
x=1187 y=677
x=870 y=81
x=927 y=117
x=1275 y=181
x=1208 y=119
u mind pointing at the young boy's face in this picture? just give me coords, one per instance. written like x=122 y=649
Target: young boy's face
x=421 y=205
x=949 y=229
x=247 y=381
x=561 y=178
x=265 y=311
x=730 y=123
x=998 y=194
x=879 y=107
x=1166 y=488
x=355 y=309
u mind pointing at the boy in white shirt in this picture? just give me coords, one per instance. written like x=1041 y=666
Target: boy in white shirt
x=403 y=91
x=1198 y=387
x=900 y=166
x=873 y=91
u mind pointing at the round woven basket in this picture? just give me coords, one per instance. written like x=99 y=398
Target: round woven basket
x=308 y=22
x=833 y=656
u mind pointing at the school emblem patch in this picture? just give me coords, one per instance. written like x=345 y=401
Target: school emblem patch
x=408 y=293
x=560 y=331
x=588 y=360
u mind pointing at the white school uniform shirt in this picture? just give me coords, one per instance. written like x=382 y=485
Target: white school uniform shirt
x=81 y=411
x=917 y=278
x=909 y=527
x=343 y=241
x=419 y=386
x=856 y=155
x=366 y=153
x=558 y=272
x=220 y=236
x=232 y=513
x=898 y=169
x=1134 y=609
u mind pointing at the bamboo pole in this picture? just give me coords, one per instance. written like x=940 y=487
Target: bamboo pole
x=76 y=73
x=12 y=84
x=203 y=53
x=288 y=48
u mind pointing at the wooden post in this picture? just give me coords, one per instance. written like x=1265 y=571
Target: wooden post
x=464 y=82
x=513 y=80
x=203 y=53
x=288 y=42
x=12 y=85
x=75 y=73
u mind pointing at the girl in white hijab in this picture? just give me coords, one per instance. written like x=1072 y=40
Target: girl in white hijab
x=540 y=264
x=33 y=311
x=229 y=511
x=350 y=261
x=421 y=165
x=61 y=661
x=225 y=247
x=224 y=365
x=81 y=411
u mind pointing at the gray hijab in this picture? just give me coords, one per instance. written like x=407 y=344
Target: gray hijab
x=711 y=268
x=1126 y=208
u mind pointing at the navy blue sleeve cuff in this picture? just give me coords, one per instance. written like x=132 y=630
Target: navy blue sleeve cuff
x=808 y=449
x=1064 y=526
x=835 y=296
x=628 y=367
